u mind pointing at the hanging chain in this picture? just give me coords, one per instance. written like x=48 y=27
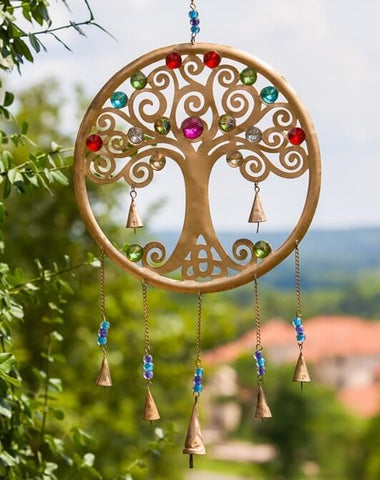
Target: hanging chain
x=199 y=326
x=257 y=316
x=102 y=285
x=298 y=280
x=146 y=314
x=194 y=21
x=133 y=193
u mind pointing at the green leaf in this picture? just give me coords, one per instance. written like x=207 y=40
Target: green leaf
x=14 y=175
x=7 y=360
x=59 y=177
x=59 y=414
x=89 y=459
x=5 y=411
x=8 y=460
x=56 y=336
x=8 y=99
x=55 y=384
x=10 y=380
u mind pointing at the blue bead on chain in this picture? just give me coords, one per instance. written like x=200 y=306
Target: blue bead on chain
x=260 y=363
x=198 y=379
x=103 y=332
x=194 y=21
x=298 y=327
x=148 y=366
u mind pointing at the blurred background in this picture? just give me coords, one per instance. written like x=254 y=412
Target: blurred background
x=328 y=52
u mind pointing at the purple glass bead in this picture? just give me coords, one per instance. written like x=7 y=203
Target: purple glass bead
x=194 y=21
x=261 y=370
x=148 y=374
x=192 y=127
x=197 y=380
x=300 y=330
x=258 y=354
x=102 y=332
x=148 y=358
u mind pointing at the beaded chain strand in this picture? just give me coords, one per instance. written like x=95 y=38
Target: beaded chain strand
x=194 y=22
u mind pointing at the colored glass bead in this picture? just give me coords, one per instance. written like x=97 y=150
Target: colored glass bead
x=135 y=252
x=148 y=374
x=193 y=14
x=253 y=134
x=94 y=143
x=138 y=81
x=195 y=29
x=194 y=21
x=162 y=126
x=103 y=332
x=192 y=127
x=198 y=388
x=197 y=380
x=227 y=123
x=157 y=161
x=148 y=358
x=269 y=94
x=300 y=330
x=199 y=372
x=301 y=338
x=248 y=76
x=234 y=159
x=119 y=100
x=102 y=341
x=212 y=59
x=296 y=136
x=262 y=249
x=258 y=354
x=297 y=321
x=135 y=135
x=148 y=366
x=106 y=325
x=173 y=60
x=261 y=370
x=261 y=362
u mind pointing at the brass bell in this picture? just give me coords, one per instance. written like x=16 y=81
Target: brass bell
x=194 y=442
x=301 y=373
x=104 y=378
x=257 y=214
x=150 y=410
x=134 y=220
x=262 y=408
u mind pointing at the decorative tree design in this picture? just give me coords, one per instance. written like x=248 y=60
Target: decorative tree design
x=234 y=112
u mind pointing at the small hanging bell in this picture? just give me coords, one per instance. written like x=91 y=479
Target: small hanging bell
x=257 y=214
x=301 y=373
x=194 y=442
x=262 y=408
x=134 y=219
x=104 y=378
x=150 y=410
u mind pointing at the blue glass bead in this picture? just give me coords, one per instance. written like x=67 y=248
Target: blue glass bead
x=119 y=100
x=148 y=358
x=261 y=370
x=194 y=21
x=258 y=354
x=199 y=372
x=102 y=341
x=103 y=332
x=297 y=322
x=195 y=29
x=197 y=380
x=301 y=338
x=148 y=366
x=260 y=362
x=300 y=330
x=148 y=375
x=193 y=14
x=269 y=94
x=106 y=325
x=198 y=388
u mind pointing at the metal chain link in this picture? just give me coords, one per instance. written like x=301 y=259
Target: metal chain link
x=199 y=326
x=257 y=316
x=298 y=280
x=193 y=35
x=102 y=285
x=146 y=316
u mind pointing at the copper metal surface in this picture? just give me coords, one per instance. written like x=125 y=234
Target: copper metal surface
x=262 y=408
x=150 y=410
x=194 y=441
x=134 y=219
x=104 y=378
x=301 y=373
x=191 y=91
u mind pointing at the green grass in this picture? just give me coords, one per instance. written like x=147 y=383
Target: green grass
x=233 y=468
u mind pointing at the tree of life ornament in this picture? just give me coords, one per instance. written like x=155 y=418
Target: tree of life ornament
x=169 y=109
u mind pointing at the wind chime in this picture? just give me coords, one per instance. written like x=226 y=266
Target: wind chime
x=196 y=104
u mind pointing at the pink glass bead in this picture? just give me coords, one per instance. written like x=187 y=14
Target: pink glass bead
x=192 y=127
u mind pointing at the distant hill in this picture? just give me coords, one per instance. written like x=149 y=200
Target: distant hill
x=328 y=257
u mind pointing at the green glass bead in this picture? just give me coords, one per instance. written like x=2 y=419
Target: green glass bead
x=157 y=161
x=227 y=123
x=162 y=126
x=234 y=159
x=138 y=81
x=248 y=76
x=135 y=252
x=262 y=249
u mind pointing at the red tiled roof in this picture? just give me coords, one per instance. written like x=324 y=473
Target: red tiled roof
x=363 y=400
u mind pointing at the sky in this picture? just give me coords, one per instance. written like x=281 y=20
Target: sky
x=328 y=51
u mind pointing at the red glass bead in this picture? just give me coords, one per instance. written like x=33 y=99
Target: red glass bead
x=94 y=143
x=296 y=136
x=212 y=59
x=173 y=60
